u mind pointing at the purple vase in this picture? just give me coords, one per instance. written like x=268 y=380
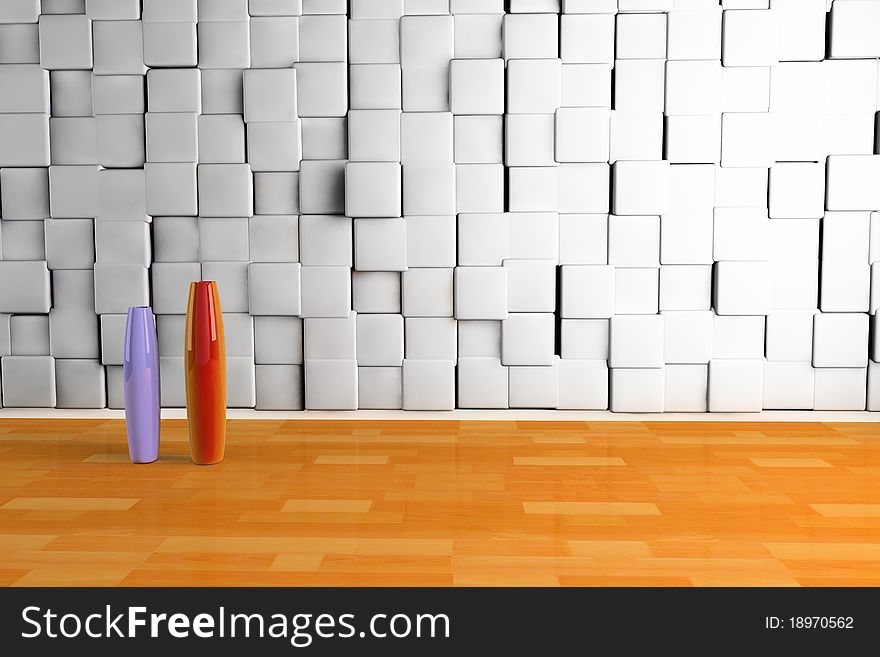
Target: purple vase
x=141 y=376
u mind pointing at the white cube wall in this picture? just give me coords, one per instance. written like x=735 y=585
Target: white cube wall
x=439 y=176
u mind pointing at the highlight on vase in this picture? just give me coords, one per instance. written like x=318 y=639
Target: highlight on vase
x=141 y=384
x=205 y=362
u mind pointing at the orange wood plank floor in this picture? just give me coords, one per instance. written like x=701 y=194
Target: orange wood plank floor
x=444 y=503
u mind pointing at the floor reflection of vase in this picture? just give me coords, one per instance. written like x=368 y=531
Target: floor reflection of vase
x=205 y=356
x=140 y=371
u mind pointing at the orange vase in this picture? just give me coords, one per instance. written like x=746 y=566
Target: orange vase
x=205 y=356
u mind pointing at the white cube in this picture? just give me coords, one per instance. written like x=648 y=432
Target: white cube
x=636 y=341
x=688 y=336
x=636 y=290
x=476 y=86
x=372 y=189
x=427 y=292
x=839 y=389
x=534 y=387
x=528 y=339
x=687 y=389
x=736 y=385
x=750 y=38
x=788 y=385
x=379 y=340
x=480 y=293
x=531 y=285
x=583 y=385
x=428 y=385
x=637 y=390
x=584 y=339
x=482 y=383
x=742 y=288
x=331 y=384
x=587 y=291
x=840 y=340
x=641 y=188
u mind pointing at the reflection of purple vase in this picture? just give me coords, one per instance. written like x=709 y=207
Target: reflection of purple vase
x=141 y=376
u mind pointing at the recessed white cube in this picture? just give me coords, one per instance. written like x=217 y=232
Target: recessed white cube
x=797 y=190
x=587 y=38
x=840 y=340
x=747 y=139
x=736 y=385
x=788 y=385
x=693 y=139
x=789 y=335
x=534 y=387
x=742 y=288
x=636 y=290
x=380 y=244
x=531 y=285
x=740 y=234
x=687 y=388
x=688 y=336
x=428 y=385
x=584 y=339
x=427 y=292
x=372 y=189
x=641 y=188
x=530 y=35
x=379 y=340
x=534 y=86
x=380 y=387
x=587 y=291
x=171 y=189
x=331 y=385
x=476 y=86
x=325 y=240
x=528 y=339
x=873 y=386
x=226 y=190
x=482 y=383
x=375 y=291
x=840 y=389
x=479 y=188
x=431 y=338
x=738 y=336
x=693 y=88
x=636 y=341
x=430 y=241
x=426 y=41
x=685 y=287
x=428 y=188
x=849 y=184
x=583 y=385
x=374 y=135
x=478 y=139
x=637 y=390
x=322 y=88
x=750 y=38
x=694 y=32
x=480 y=293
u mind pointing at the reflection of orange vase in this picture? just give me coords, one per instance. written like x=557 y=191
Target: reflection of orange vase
x=205 y=354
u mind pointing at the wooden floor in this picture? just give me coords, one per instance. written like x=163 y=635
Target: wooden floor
x=444 y=503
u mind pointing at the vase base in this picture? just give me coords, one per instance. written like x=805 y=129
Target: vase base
x=207 y=461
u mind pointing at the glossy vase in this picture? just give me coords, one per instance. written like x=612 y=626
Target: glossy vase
x=205 y=362
x=140 y=371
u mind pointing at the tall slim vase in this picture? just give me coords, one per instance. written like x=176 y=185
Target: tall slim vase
x=140 y=371
x=205 y=356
